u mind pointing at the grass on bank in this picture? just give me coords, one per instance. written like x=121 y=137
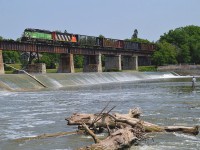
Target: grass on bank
x=9 y=70
x=147 y=68
x=55 y=70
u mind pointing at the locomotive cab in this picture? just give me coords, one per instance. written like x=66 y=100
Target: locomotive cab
x=36 y=35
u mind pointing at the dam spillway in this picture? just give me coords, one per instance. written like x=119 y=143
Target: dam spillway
x=22 y=82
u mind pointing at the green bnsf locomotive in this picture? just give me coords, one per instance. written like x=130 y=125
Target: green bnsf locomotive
x=55 y=37
x=47 y=36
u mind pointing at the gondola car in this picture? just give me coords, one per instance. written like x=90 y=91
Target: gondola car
x=147 y=46
x=88 y=41
x=111 y=43
x=128 y=45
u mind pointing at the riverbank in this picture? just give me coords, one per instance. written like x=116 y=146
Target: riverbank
x=192 y=70
x=23 y=82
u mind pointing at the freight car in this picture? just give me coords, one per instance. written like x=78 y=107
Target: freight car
x=111 y=43
x=88 y=41
x=55 y=37
x=128 y=45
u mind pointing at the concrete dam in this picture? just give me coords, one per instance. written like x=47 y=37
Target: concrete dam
x=23 y=82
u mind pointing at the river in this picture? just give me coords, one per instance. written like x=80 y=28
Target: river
x=164 y=101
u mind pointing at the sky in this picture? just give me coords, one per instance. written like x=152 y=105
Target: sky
x=115 y=19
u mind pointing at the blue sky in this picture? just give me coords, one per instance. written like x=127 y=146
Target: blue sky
x=111 y=18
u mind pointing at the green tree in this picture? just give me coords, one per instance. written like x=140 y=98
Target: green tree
x=138 y=40
x=50 y=60
x=183 y=55
x=11 y=57
x=135 y=34
x=187 y=40
x=78 y=61
x=195 y=53
x=166 y=53
x=101 y=36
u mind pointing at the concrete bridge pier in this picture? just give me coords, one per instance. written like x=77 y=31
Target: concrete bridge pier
x=92 y=63
x=66 y=64
x=113 y=62
x=36 y=68
x=1 y=63
x=144 y=61
x=130 y=63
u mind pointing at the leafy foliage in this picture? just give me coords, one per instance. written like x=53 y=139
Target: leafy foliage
x=187 y=43
x=135 y=34
x=166 y=54
x=50 y=60
x=135 y=38
x=78 y=61
x=138 y=40
x=11 y=57
x=101 y=36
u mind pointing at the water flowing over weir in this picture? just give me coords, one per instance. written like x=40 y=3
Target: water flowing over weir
x=170 y=100
x=21 y=82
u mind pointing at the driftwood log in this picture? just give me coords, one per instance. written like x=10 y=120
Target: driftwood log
x=126 y=129
x=118 y=120
x=120 y=139
x=46 y=135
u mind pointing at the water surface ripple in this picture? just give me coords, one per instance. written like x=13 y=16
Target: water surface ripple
x=164 y=102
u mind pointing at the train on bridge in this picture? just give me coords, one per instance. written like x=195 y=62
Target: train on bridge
x=69 y=39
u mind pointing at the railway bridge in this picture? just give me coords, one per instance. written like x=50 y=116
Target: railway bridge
x=115 y=59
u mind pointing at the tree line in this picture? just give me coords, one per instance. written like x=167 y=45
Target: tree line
x=181 y=45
